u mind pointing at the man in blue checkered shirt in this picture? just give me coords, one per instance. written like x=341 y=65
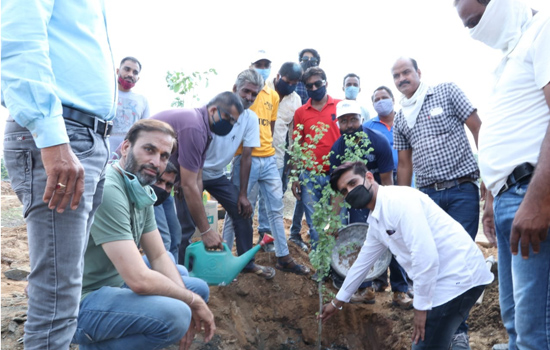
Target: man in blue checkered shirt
x=430 y=138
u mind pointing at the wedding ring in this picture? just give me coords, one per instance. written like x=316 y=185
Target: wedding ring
x=60 y=185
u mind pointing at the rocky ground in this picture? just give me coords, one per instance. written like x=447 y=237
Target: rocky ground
x=252 y=313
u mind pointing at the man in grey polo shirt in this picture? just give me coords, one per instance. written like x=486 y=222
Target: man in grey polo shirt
x=430 y=137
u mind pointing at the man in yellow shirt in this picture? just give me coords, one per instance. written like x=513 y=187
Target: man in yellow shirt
x=264 y=174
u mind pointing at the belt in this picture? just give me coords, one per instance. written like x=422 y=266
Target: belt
x=521 y=172
x=440 y=186
x=98 y=125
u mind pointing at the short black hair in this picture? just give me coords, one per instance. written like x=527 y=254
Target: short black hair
x=226 y=100
x=170 y=168
x=291 y=70
x=351 y=75
x=382 y=88
x=359 y=168
x=313 y=71
x=133 y=59
x=313 y=52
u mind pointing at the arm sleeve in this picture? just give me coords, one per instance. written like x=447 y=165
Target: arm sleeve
x=382 y=150
x=191 y=147
x=251 y=136
x=370 y=252
x=28 y=82
x=150 y=222
x=461 y=104
x=400 y=142
x=418 y=239
x=541 y=56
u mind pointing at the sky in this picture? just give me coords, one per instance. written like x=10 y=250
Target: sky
x=361 y=37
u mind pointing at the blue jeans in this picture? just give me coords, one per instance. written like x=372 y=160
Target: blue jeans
x=168 y=225
x=117 y=318
x=227 y=194
x=461 y=202
x=524 y=284
x=296 y=226
x=442 y=321
x=264 y=178
x=311 y=193
x=56 y=241
x=263 y=220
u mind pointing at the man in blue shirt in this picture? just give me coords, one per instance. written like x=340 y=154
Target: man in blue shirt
x=380 y=163
x=58 y=83
x=383 y=102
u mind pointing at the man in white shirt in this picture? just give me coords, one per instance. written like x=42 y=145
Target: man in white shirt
x=446 y=266
x=131 y=106
x=514 y=160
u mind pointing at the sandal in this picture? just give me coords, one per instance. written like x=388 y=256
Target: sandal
x=292 y=266
x=262 y=271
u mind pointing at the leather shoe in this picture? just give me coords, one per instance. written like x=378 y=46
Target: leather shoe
x=402 y=300
x=363 y=296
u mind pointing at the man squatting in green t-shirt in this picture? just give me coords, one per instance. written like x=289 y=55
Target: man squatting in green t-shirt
x=125 y=304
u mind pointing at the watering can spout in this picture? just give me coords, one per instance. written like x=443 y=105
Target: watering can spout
x=218 y=268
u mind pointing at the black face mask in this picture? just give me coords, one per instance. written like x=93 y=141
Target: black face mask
x=317 y=95
x=284 y=88
x=162 y=195
x=360 y=196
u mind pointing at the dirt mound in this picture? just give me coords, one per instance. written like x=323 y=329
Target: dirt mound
x=252 y=313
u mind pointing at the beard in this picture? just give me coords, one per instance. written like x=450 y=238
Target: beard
x=138 y=170
x=246 y=103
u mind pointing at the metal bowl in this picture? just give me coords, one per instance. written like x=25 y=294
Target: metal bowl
x=348 y=245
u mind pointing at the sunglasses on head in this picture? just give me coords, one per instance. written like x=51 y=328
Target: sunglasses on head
x=317 y=84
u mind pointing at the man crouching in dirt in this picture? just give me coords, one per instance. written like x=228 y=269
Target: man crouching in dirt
x=125 y=304
x=447 y=268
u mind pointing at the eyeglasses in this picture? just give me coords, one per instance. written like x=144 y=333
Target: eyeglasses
x=231 y=119
x=317 y=84
x=312 y=59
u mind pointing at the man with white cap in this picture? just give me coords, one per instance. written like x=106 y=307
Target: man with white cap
x=379 y=162
x=515 y=165
x=429 y=136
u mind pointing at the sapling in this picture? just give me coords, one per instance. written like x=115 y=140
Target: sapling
x=326 y=219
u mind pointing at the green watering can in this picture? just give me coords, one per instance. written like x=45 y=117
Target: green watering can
x=218 y=267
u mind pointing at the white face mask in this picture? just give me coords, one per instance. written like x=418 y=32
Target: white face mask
x=501 y=25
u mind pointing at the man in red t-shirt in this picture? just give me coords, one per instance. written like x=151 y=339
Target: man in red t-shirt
x=319 y=108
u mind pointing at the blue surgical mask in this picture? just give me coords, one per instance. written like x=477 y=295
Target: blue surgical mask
x=141 y=196
x=284 y=88
x=383 y=107
x=351 y=92
x=264 y=72
x=221 y=127
x=317 y=95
